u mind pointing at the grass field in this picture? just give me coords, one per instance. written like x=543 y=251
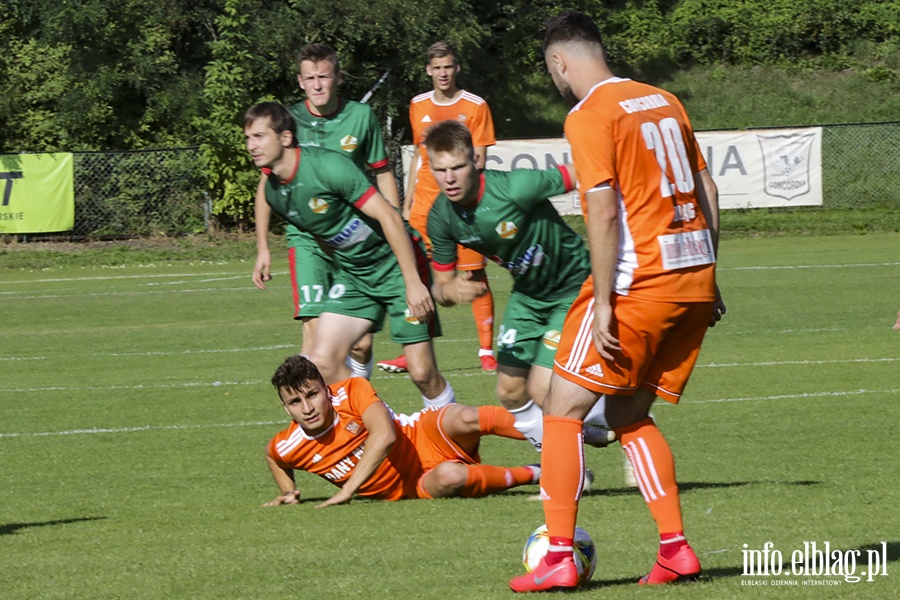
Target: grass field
x=135 y=409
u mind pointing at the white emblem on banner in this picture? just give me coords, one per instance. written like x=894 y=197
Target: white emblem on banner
x=786 y=162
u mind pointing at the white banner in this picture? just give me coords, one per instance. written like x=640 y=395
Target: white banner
x=761 y=168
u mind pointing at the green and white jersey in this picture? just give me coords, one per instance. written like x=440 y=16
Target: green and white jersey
x=351 y=130
x=514 y=224
x=324 y=198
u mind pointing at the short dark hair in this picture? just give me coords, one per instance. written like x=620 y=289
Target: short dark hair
x=440 y=50
x=279 y=117
x=571 y=26
x=295 y=371
x=315 y=52
x=449 y=136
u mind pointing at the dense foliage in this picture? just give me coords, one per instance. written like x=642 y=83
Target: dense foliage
x=127 y=74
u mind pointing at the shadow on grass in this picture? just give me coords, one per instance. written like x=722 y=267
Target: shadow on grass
x=12 y=528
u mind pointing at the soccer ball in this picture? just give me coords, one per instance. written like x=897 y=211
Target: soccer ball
x=584 y=551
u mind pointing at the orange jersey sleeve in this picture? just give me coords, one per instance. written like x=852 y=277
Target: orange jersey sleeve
x=637 y=139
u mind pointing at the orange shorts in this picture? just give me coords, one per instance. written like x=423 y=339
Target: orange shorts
x=432 y=444
x=466 y=259
x=659 y=344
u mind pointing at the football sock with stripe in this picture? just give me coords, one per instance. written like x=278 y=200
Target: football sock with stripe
x=654 y=469
x=562 y=469
x=496 y=420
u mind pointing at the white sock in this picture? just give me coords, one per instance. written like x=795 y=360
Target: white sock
x=485 y=352
x=448 y=396
x=530 y=423
x=597 y=414
x=361 y=370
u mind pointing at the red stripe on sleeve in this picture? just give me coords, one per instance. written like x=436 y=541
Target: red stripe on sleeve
x=365 y=197
x=379 y=165
x=443 y=268
x=567 y=177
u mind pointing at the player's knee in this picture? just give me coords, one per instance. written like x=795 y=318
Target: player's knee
x=449 y=478
x=511 y=394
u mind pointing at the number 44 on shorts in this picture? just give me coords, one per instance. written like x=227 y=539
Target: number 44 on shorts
x=507 y=337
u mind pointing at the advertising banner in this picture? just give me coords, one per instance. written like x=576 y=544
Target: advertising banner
x=752 y=169
x=38 y=193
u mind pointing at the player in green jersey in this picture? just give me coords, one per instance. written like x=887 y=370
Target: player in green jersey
x=326 y=120
x=508 y=217
x=323 y=193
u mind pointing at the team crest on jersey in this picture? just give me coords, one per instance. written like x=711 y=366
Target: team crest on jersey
x=551 y=339
x=318 y=206
x=507 y=230
x=410 y=318
x=349 y=143
x=352 y=427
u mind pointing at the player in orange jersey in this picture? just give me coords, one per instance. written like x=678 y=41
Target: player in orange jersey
x=447 y=101
x=346 y=435
x=634 y=333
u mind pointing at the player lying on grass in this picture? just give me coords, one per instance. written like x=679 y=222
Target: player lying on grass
x=346 y=435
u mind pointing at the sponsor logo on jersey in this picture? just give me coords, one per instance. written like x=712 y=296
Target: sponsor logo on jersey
x=352 y=427
x=354 y=232
x=533 y=257
x=349 y=143
x=292 y=213
x=472 y=239
x=507 y=230
x=318 y=206
x=551 y=339
x=316 y=458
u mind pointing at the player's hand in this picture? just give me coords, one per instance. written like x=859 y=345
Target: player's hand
x=341 y=497
x=288 y=498
x=419 y=301
x=467 y=289
x=605 y=342
x=718 y=309
x=261 y=269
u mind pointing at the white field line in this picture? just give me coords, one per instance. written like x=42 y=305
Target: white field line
x=95 y=430
x=237 y=275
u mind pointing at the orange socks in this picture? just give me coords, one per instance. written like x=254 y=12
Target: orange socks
x=654 y=468
x=496 y=420
x=488 y=479
x=483 y=311
x=562 y=469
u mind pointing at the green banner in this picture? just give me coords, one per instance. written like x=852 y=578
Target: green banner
x=38 y=193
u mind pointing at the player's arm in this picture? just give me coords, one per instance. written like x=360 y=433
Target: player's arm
x=380 y=425
x=480 y=156
x=708 y=198
x=284 y=479
x=411 y=184
x=387 y=185
x=262 y=212
x=418 y=296
x=603 y=243
x=452 y=287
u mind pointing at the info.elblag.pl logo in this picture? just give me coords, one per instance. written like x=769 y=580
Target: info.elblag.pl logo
x=813 y=564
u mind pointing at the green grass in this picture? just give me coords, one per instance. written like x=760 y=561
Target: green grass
x=134 y=409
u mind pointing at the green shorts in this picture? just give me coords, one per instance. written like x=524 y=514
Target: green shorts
x=529 y=333
x=379 y=290
x=312 y=273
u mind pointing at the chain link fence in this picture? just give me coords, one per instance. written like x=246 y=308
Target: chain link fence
x=136 y=194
